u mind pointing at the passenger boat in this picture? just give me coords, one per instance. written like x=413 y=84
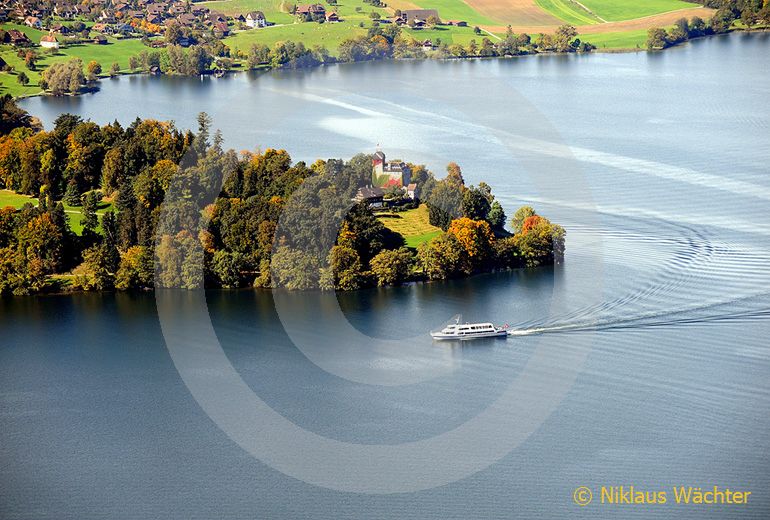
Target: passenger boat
x=466 y=331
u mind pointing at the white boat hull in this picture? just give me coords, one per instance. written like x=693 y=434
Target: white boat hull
x=465 y=337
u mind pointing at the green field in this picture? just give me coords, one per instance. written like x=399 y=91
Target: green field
x=617 y=10
x=447 y=34
x=617 y=40
x=75 y=214
x=448 y=10
x=412 y=224
x=311 y=34
x=271 y=9
x=116 y=50
x=568 y=11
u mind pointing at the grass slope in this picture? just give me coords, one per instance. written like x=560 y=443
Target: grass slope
x=448 y=10
x=75 y=214
x=568 y=11
x=618 y=40
x=412 y=224
x=617 y=10
x=115 y=50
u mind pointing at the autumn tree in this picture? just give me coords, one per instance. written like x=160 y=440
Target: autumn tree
x=391 y=267
x=520 y=216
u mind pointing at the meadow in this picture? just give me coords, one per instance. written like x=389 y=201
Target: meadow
x=412 y=224
x=618 y=10
x=75 y=213
x=116 y=50
x=568 y=11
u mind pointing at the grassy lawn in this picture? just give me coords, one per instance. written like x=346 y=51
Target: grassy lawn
x=617 y=10
x=352 y=13
x=447 y=10
x=447 y=34
x=271 y=8
x=116 y=50
x=75 y=214
x=311 y=34
x=412 y=224
x=617 y=40
x=568 y=11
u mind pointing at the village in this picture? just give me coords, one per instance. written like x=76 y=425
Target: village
x=92 y=20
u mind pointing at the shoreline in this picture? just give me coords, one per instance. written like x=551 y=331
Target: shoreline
x=95 y=86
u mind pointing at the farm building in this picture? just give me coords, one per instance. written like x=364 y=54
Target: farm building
x=49 y=41
x=419 y=16
x=256 y=19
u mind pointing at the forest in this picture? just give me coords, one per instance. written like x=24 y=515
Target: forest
x=190 y=214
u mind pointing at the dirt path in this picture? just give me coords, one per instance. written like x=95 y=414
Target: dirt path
x=656 y=20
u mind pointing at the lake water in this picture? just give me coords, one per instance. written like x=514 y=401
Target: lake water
x=652 y=337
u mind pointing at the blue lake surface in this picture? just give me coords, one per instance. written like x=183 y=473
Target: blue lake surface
x=657 y=322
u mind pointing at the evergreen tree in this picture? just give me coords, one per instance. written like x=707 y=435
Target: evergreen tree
x=72 y=194
x=90 y=219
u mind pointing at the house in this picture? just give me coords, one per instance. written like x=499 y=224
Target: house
x=18 y=38
x=221 y=28
x=419 y=15
x=59 y=28
x=332 y=17
x=33 y=21
x=411 y=191
x=372 y=195
x=102 y=28
x=389 y=173
x=186 y=19
x=100 y=39
x=427 y=45
x=312 y=10
x=398 y=20
x=457 y=23
x=217 y=18
x=64 y=11
x=256 y=19
x=49 y=42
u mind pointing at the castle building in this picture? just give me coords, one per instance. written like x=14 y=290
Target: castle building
x=389 y=173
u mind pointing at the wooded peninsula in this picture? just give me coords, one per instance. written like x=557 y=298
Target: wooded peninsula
x=92 y=207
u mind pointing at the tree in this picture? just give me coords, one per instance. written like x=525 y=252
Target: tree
x=94 y=69
x=476 y=203
x=226 y=267
x=496 y=217
x=657 y=38
x=22 y=78
x=72 y=194
x=294 y=269
x=94 y=273
x=12 y=116
x=440 y=258
x=114 y=69
x=136 y=269
x=392 y=267
x=445 y=203
x=90 y=219
x=748 y=17
x=563 y=37
x=475 y=237
x=345 y=270
x=454 y=174
x=540 y=242
x=520 y=216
